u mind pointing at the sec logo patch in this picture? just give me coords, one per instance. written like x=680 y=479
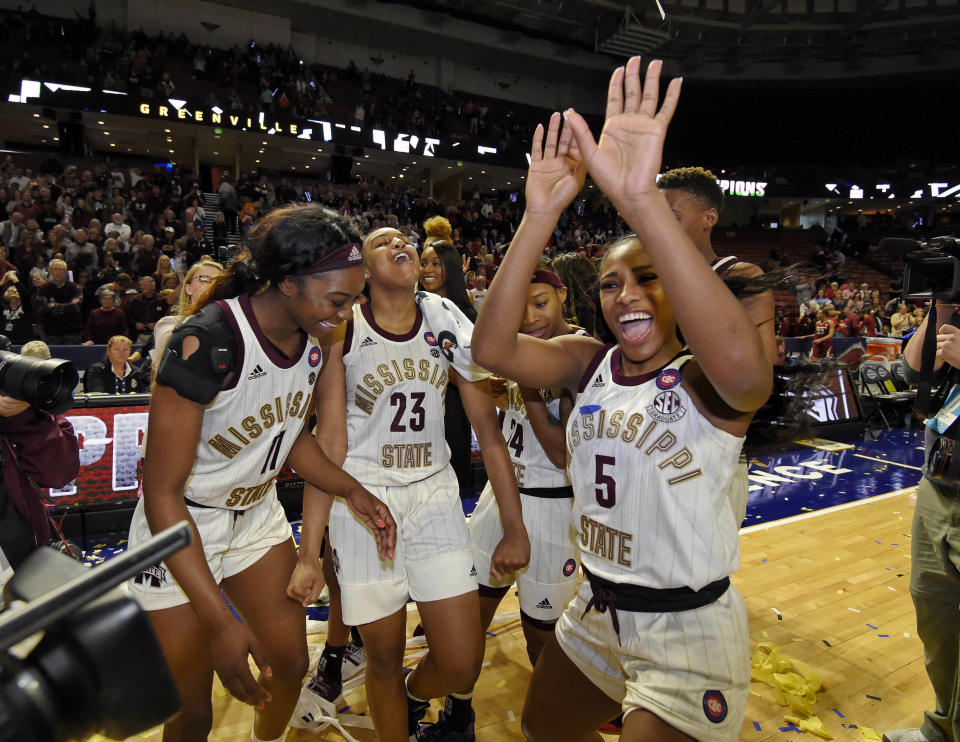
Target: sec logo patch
x=667 y=407
x=568 y=567
x=668 y=378
x=430 y=338
x=715 y=706
x=314 y=357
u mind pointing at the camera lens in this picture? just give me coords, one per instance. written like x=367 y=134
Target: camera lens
x=940 y=456
x=46 y=384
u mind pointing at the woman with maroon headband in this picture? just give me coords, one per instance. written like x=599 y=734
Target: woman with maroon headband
x=234 y=388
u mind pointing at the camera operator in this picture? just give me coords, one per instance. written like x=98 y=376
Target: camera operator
x=35 y=449
x=935 y=551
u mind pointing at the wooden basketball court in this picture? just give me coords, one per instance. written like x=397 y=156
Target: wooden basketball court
x=830 y=587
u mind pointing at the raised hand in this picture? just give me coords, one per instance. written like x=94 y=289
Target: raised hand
x=626 y=160
x=556 y=172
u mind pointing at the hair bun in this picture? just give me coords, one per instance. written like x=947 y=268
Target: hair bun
x=438 y=227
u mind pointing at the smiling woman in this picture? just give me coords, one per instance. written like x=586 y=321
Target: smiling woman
x=234 y=387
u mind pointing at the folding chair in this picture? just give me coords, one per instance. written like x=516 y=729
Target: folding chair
x=876 y=385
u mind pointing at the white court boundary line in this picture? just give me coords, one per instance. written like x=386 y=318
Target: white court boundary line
x=825 y=511
x=884 y=461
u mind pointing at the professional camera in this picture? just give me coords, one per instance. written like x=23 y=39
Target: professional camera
x=98 y=667
x=933 y=268
x=46 y=384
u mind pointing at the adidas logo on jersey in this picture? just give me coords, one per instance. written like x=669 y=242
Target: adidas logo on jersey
x=368 y=342
x=545 y=605
x=257 y=373
x=473 y=571
x=598 y=381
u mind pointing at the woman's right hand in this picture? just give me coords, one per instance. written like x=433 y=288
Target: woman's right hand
x=230 y=644
x=557 y=172
x=376 y=516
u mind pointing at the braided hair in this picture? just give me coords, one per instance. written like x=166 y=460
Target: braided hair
x=579 y=275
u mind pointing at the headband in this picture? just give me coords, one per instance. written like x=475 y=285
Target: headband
x=550 y=278
x=345 y=256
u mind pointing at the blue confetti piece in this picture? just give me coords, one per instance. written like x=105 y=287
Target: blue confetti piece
x=839 y=714
x=589 y=409
x=763 y=560
x=790 y=728
x=880 y=542
x=490 y=633
x=884 y=636
x=872 y=626
x=756 y=726
x=894 y=544
x=344 y=710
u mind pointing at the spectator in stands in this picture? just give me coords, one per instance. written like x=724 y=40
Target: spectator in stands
x=10 y=230
x=147 y=256
x=106 y=321
x=114 y=374
x=17 y=324
x=59 y=314
x=117 y=229
x=220 y=230
x=162 y=269
x=145 y=309
x=900 y=322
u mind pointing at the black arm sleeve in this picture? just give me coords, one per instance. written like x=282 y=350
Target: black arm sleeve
x=200 y=377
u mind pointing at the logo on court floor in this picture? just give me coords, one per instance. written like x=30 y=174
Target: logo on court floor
x=667 y=407
x=569 y=567
x=715 y=706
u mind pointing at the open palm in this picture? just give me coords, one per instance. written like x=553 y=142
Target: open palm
x=556 y=172
x=626 y=160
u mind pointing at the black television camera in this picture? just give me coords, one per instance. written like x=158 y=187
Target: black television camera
x=99 y=667
x=933 y=268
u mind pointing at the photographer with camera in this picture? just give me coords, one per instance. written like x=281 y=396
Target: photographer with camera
x=935 y=550
x=36 y=448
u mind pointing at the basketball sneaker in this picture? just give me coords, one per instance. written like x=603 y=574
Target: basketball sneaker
x=318 y=700
x=354 y=662
x=445 y=730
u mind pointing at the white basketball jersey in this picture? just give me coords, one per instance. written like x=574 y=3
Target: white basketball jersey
x=396 y=386
x=249 y=429
x=654 y=480
x=531 y=465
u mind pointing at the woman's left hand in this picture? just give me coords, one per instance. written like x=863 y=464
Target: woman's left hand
x=306 y=582
x=626 y=160
x=512 y=553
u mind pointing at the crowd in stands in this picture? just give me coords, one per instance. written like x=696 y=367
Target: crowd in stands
x=249 y=79
x=87 y=254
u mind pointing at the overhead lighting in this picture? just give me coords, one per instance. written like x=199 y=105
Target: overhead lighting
x=167 y=131
x=100 y=123
x=46 y=126
x=106 y=133
x=256 y=160
x=171 y=151
x=113 y=144
x=216 y=153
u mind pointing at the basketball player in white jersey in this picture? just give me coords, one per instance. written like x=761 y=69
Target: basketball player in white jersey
x=695 y=198
x=532 y=424
x=381 y=397
x=656 y=631
x=234 y=388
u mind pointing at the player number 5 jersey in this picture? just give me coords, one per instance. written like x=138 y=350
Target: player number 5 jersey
x=653 y=480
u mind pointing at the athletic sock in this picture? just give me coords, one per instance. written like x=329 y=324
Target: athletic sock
x=459 y=710
x=255 y=738
x=355 y=637
x=331 y=662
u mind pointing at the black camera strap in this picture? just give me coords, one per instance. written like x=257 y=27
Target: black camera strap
x=928 y=356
